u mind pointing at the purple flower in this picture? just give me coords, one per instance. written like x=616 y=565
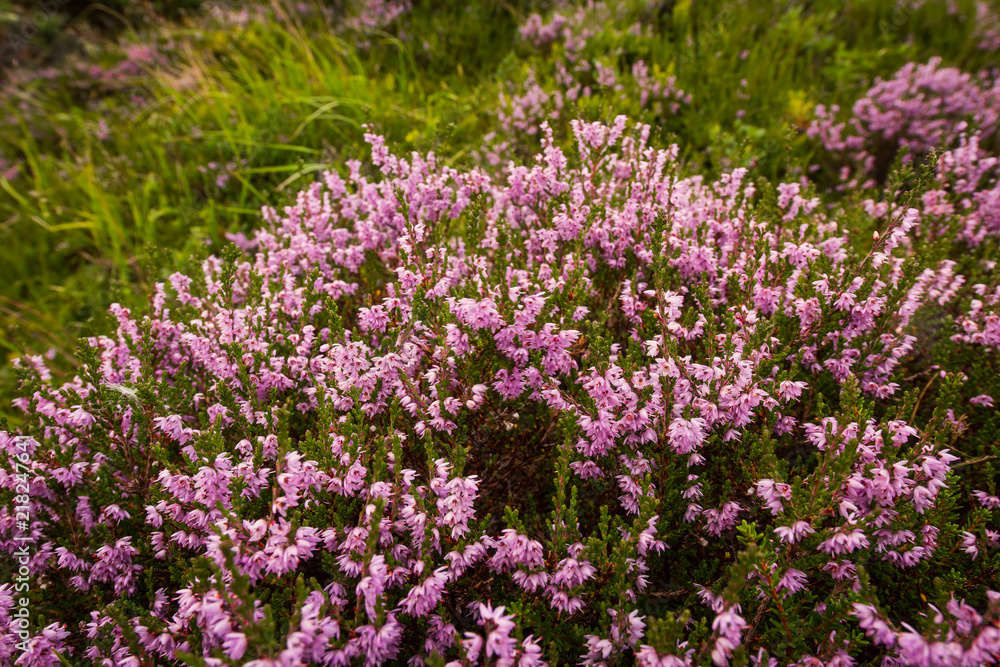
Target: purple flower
x=792 y=581
x=685 y=436
x=794 y=533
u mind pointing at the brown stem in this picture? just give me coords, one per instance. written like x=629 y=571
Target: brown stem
x=761 y=609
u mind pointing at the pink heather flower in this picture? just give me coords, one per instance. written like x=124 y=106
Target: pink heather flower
x=80 y=418
x=424 y=597
x=174 y=427
x=694 y=510
x=564 y=603
x=901 y=432
x=572 y=573
x=794 y=533
x=986 y=500
x=598 y=651
x=647 y=539
x=115 y=513
x=685 y=435
x=792 y=581
x=372 y=585
x=380 y=644
x=773 y=494
x=235 y=645
x=817 y=433
x=531 y=581
x=984 y=400
x=728 y=627
x=914 y=649
x=789 y=390
x=626 y=628
x=499 y=643
x=531 y=653
x=456 y=508
x=717 y=521
x=873 y=625
x=513 y=549
x=969 y=544
x=440 y=635
x=844 y=542
x=473 y=646
x=373 y=319
x=647 y=656
x=840 y=570
x=508 y=383
x=586 y=469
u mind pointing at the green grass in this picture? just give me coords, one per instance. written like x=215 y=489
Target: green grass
x=278 y=101
x=91 y=221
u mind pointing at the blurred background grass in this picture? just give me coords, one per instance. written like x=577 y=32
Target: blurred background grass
x=135 y=136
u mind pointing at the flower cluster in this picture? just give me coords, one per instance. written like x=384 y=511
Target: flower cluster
x=923 y=106
x=560 y=88
x=960 y=635
x=428 y=414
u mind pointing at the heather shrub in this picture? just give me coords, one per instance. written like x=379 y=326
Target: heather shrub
x=582 y=61
x=594 y=410
x=922 y=107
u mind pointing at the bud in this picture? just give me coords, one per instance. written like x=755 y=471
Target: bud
x=875 y=235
